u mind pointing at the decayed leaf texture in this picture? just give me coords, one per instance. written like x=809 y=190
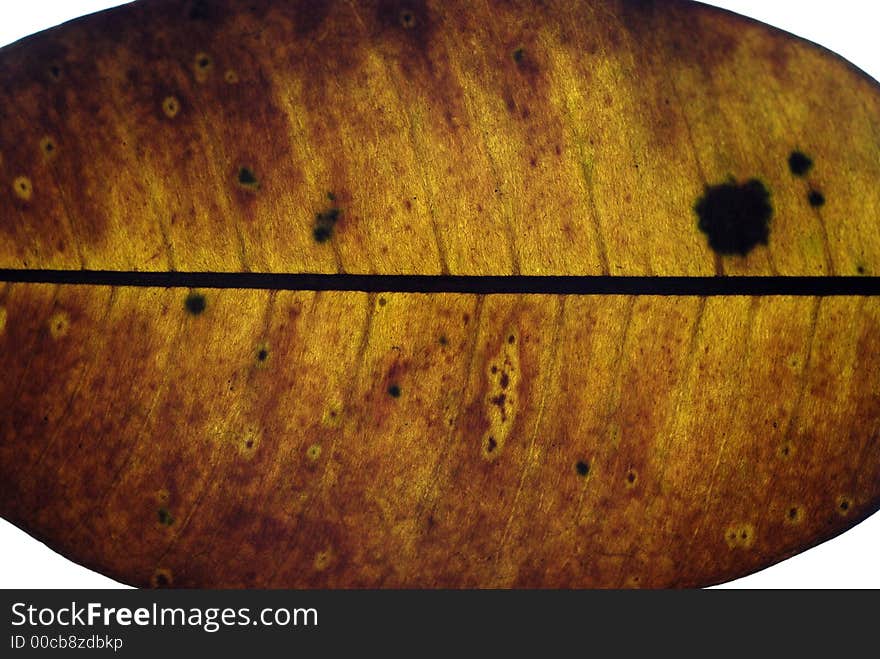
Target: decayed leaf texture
x=294 y=438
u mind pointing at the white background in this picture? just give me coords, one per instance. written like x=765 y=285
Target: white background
x=848 y=27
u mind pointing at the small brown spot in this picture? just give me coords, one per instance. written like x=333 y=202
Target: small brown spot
x=382 y=301
x=170 y=107
x=231 y=77
x=786 y=450
x=203 y=66
x=59 y=323
x=740 y=536
x=491 y=444
x=48 y=147
x=323 y=560
x=162 y=578
x=844 y=505
x=313 y=452
x=23 y=187
x=631 y=478
x=794 y=515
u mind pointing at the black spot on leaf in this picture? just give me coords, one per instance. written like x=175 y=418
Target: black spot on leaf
x=247 y=178
x=324 y=224
x=735 y=217
x=816 y=199
x=195 y=303
x=583 y=468
x=799 y=163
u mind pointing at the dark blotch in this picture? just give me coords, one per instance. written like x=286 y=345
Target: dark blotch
x=247 y=177
x=582 y=467
x=165 y=518
x=161 y=580
x=526 y=65
x=324 y=224
x=799 y=163
x=491 y=445
x=195 y=303
x=816 y=199
x=394 y=391
x=735 y=217
x=263 y=355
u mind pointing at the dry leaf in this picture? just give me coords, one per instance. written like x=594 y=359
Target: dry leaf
x=510 y=434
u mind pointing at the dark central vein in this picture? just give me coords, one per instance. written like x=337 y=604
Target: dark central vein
x=479 y=285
